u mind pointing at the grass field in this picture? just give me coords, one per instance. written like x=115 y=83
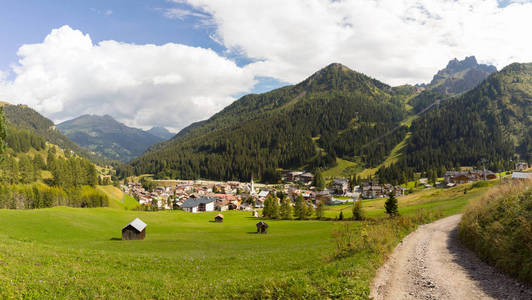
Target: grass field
x=118 y=198
x=342 y=169
x=77 y=253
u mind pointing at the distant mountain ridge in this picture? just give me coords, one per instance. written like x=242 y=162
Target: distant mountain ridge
x=105 y=135
x=161 y=132
x=457 y=77
x=460 y=76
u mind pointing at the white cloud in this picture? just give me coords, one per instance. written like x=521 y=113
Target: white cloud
x=179 y=13
x=142 y=85
x=396 y=41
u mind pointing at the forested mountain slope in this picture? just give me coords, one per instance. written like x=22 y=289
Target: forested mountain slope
x=492 y=122
x=23 y=117
x=335 y=112
x=105 y=135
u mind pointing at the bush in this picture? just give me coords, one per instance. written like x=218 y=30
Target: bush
x=498 y=228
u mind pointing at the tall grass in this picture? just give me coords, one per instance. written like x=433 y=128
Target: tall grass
x=378 y=236
x=498 y=227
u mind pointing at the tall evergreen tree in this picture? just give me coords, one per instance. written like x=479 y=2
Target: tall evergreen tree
x=3 y=133
x=300 y=209
x=319 y=182
x=391 y=206
x=358 y=213
x=319 y=209
x=286 y=208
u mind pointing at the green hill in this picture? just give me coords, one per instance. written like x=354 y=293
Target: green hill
x=261 y=132
x=110 y=138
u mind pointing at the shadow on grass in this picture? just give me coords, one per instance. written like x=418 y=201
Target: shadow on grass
x=115 y=239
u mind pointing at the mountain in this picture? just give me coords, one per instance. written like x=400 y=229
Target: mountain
x=105 y=135
x=491 y=122
x=460 y=76
x=161 y=132
x=23 y=117
x=457 y=77
x=336 y=112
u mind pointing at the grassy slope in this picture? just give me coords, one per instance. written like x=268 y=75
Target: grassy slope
x=449 y=201
x=338 y=170
x=498 y=228
x=72 y=253
x=118 y=198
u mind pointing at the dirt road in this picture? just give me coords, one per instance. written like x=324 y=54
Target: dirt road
x=430 y=263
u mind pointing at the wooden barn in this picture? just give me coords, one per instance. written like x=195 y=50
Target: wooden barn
x=136 y=230
x=219 y=218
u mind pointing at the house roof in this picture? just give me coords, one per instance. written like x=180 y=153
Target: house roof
x=263 y=194
x=137 y=224
x=340 y=181
x=522 y=175
x=193 y=202
x=219 y=215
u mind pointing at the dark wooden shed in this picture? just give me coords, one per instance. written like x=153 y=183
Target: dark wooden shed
x=262 y=227
x=219 y=218
x=136 y=230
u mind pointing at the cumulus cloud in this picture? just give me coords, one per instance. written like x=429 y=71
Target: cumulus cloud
x=170 y=85
x=397 y=41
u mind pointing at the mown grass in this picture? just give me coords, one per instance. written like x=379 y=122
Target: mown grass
x=118 y=198
x=76 y=253
x=498 y=227
x=340 y=169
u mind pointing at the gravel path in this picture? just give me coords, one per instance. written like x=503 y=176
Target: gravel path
x=430 y=263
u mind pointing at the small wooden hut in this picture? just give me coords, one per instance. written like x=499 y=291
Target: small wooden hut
x=136 y=230
x=262 y=227
x=219 y=218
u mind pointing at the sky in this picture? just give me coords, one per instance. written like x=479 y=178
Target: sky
x=174 y=62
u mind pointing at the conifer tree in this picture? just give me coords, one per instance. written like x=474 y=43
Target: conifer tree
x=300 y=208
x=267 y=210
x=319 y=209
x=319 y=182
x=358 y=213
x=274 y=213
x=286 y=209
x=391 y=206
x=26 y=170
x=309 y=209
x=3 y=133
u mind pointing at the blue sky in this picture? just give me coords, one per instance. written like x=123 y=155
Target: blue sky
x=131 y=21
x=71 y=57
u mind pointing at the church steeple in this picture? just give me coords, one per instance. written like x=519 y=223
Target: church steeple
x=252 y=189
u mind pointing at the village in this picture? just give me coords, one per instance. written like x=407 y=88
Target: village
x=203 y=195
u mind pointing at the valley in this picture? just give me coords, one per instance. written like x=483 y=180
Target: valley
x=66 y=252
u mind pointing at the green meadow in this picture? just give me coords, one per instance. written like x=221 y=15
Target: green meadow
x=77 y=253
